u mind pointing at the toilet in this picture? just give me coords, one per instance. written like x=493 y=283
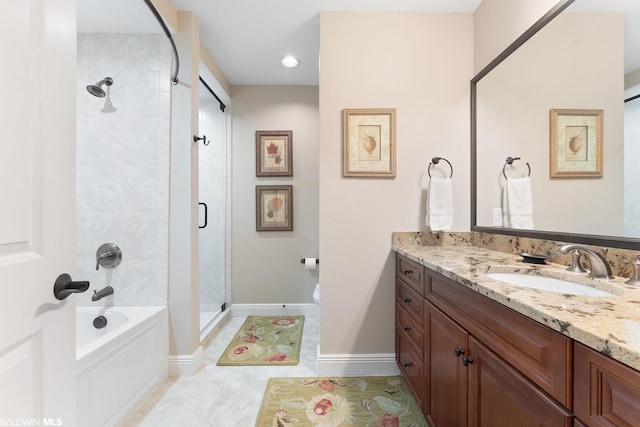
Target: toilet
x=316 y=294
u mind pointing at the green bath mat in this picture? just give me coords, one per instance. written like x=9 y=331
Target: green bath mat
x=265 y=340
x=349 y=401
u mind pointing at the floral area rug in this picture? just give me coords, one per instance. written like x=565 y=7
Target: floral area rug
x=265 y=340
x=332 y=402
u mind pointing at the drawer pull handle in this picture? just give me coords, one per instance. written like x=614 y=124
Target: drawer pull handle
x=407 y=328
x=407 y=299
x=466 y=361
x=408 y=272
x=458 y=352
x=406 y=364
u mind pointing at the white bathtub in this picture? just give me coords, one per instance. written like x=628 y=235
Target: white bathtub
x=120 y=365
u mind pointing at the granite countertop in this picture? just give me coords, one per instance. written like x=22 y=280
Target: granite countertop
x=610 y=325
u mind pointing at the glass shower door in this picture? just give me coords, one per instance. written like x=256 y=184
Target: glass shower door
x=213 y=183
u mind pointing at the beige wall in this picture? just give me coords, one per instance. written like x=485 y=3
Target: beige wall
x=421 y=65
x=266 y=265
x=497 y=23
x=567 y=65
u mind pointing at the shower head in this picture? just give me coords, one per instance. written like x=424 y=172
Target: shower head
x=96 y=89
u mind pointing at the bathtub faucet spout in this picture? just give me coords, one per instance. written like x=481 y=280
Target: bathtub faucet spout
x=98 y=295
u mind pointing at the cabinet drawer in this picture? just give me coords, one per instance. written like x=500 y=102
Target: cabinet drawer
x=541 y=354
x=606 y=392
x=412 y=367
x=410 y=300
x=410 y=331
x=411 y=272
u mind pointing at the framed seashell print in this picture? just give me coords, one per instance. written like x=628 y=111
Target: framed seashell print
x=274 y=208
x=274 y=153
x=575 y=143
x=369 y=147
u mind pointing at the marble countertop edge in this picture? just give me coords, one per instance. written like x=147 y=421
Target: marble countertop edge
x=610 y=325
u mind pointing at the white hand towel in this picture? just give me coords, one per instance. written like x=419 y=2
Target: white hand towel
x=517 y=204
x=440 y=204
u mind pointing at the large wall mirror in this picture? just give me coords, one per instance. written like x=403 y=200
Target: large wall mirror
x=582 y=56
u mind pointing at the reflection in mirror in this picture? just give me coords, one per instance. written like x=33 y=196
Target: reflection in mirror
x=577 y=61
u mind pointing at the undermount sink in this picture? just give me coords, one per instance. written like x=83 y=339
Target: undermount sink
x=550 y=284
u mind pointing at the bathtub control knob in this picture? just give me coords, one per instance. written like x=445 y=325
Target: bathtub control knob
x=99 y=322
x=64 y=286
x=108 y=255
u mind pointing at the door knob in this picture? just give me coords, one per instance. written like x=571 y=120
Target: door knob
x=64 y=286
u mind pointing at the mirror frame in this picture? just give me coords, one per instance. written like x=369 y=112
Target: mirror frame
x=590 y=239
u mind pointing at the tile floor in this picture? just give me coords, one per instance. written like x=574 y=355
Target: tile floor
x=222 y=396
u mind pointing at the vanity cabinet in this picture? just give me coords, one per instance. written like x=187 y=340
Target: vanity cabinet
x=409 y=325
x=482 y=364
x=471 y=385
x=447 y=393
x=606 y=392
x=541 y=354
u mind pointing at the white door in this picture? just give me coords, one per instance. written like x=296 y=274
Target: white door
x=37 y=211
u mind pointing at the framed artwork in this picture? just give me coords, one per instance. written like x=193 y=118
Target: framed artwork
x=369 y=143
x=274 y=208
x=575 y=143
x=274 y=153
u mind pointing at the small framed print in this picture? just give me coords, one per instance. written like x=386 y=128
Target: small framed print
x=274 y=208
x=575 y=148
x=369 y=143
x=274 y=153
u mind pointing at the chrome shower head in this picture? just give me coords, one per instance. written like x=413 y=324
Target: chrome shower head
x=96 y=89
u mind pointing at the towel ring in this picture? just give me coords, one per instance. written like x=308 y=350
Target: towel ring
x=510 y=161
x=435 y=161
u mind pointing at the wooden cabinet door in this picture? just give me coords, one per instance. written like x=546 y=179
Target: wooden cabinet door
x=446 y=399
x=501 y=396
x=606 y=392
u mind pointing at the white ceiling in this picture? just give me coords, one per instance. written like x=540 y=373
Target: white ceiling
x=249 y=38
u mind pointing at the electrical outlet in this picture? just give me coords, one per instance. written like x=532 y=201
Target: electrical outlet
x=497 y=216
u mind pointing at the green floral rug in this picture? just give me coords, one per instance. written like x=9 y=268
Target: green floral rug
x=264 y=340
x=333 y=402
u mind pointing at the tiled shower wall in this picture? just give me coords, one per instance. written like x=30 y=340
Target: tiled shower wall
x=122 y=189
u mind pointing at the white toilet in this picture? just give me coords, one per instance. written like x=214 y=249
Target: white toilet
x=316 y=294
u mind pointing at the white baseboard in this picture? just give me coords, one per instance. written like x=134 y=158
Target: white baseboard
x=243 y=310
x=186 y=365
x=352 y=365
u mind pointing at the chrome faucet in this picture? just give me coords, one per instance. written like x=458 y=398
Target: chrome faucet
x=600 y=267
x=98 y=295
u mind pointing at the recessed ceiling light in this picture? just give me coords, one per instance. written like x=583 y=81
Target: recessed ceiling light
x=290 y=61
